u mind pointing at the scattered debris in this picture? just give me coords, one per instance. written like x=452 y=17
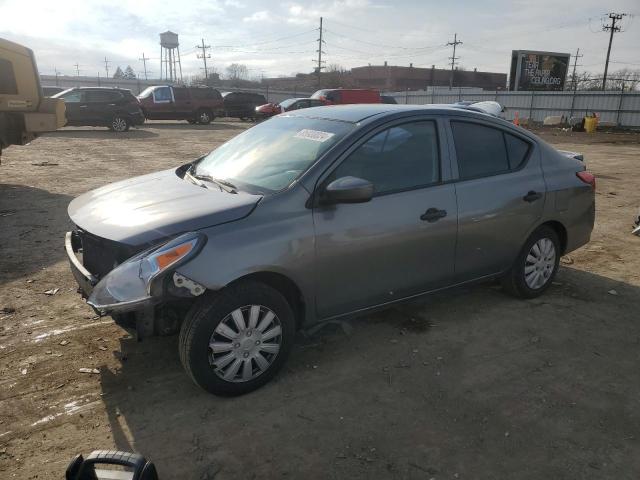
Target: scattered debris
x=566 y=260
x=52 y=291
x=612 y=292
x=8 y=310
x=64 y=342
x=45 y=164
x=23 y=371
x=103 y=348
x=506 y=434
x=535 y=339
x=7 y=213
x=89 y=370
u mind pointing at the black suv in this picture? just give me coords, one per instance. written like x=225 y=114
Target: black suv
x=115 y=108
x=242 y=105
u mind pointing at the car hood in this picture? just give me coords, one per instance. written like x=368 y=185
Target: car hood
x=144 y=209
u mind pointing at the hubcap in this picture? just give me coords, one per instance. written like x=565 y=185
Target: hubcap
x=245 y=343
x=204 y=117
x=119 y=124
x=540 y=263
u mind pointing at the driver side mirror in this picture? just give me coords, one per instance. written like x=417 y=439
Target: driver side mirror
x=348 y=190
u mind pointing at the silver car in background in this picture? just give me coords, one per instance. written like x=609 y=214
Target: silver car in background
x=324 y=213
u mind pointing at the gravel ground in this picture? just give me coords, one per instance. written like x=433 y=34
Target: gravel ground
x=465 y=384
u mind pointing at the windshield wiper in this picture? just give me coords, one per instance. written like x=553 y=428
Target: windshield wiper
x=223 y=184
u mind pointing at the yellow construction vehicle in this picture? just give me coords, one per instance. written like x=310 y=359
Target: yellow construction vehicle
x=24 y=111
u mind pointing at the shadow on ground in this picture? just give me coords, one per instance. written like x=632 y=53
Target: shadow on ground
x=33 y=222
x=105 y=134
x=465 y=384
x=216 y=125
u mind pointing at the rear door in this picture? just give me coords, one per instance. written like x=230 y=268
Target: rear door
x=101 y=105
x=500 y=192
x=400 y=243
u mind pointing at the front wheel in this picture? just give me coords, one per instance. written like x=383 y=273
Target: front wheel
x=536 y=266
x=120 y=124
x=236 y=340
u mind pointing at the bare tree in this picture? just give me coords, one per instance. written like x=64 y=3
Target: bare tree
x=237 y=72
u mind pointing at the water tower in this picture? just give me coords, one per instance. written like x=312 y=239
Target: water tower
x=170 y=66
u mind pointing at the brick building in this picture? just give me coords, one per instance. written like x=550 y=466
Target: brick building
x=393 y=78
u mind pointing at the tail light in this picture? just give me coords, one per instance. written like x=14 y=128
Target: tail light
x=588 y=178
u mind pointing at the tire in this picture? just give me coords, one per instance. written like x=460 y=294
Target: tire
x=204 y=116
x=527 y=279
x=120 y=123
x=214 y=313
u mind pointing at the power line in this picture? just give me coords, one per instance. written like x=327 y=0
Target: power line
x=144 y=62
x=204 y=57
x=77 y=69
x=106 y=66
x=613 y=28
x=455 y=43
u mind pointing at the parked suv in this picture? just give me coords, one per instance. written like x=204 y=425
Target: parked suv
x=325 y=213
x=242 y=105
x=115 y=108
x=194 y=104
x=343 y=96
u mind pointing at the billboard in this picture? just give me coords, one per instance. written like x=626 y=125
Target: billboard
x=532 y=70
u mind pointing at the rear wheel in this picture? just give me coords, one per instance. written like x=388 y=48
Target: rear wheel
x=536 y=266
x=204 y=116
x=120 y=124
x=235 y=341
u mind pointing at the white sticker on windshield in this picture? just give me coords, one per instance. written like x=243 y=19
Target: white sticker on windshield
x=315 y=135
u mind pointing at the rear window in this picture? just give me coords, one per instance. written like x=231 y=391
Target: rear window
x=7 y=78
x=480 y=150
x=517 y=149
x=205 y=94
x=180 y=94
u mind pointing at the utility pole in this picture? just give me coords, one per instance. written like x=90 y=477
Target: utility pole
x=57 y=75
x=106 y=66
x=613 y=28
x=77 y=69
x=455 y=43
x=144 y=63
x=575 y=64
x=320 y=52
x=204 y=55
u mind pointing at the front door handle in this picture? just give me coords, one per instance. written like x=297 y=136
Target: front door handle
x=433 y=215
x=532 y=196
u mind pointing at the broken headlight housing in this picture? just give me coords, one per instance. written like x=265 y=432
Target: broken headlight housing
x=137 y=280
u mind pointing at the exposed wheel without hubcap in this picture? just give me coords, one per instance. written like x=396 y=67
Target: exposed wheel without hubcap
x=119 y=124
x=540 y=263
x=245 y=343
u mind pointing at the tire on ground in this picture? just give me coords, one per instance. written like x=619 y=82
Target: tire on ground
x=204 y=317
x=514 y=281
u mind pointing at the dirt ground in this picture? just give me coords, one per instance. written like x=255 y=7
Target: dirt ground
x=467 y=384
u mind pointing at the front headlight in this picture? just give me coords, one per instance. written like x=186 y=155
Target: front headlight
x=132 y=282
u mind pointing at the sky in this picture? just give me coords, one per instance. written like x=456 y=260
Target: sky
x=276 y=38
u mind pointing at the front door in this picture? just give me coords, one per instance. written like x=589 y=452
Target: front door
x=400 y=243
x=163 y=107
x=501 y=194
x=75 y=107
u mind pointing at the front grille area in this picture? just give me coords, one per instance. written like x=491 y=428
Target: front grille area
x=100 y=255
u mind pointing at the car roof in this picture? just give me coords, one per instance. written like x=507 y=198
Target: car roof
x=356 y=113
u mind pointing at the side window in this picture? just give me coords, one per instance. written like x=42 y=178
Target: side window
x=517 y=150
x=101 y=96
x=7 y=78
x=399 y=158
x=162 y=95
x=480 y=150
x=76 y=96
x=333 y=96
x=180 y=94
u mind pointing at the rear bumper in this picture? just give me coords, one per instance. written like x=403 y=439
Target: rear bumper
x=137 y=118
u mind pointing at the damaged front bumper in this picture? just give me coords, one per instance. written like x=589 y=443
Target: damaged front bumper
x=138 y=282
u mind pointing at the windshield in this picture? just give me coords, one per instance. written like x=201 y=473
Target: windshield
x=273 y=154
x=286 y=103
x=146 y=92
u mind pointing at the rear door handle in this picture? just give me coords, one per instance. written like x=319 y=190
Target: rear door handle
x=532 y=196
x=433 y=215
